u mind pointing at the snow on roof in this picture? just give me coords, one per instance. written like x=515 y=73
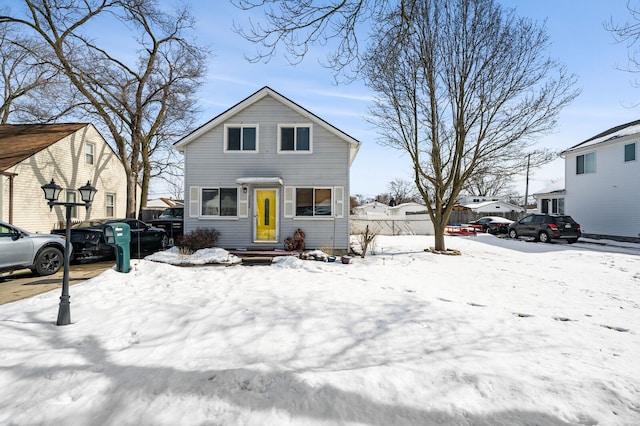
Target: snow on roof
x=627 y=129
x=557 y=186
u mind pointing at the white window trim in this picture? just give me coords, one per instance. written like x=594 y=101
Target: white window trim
x=218 y=216
x=241 y=127
x=314 y=217
x=584 y=163
x=106 y=204
x=624 y=153
x=295 y=136
x=93 y=153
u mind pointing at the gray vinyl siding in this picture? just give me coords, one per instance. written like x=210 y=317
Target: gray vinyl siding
x=207 y=165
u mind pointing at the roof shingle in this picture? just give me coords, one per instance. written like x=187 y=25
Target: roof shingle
x=20 y=141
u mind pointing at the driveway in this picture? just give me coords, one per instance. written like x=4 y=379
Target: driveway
x=22 y=284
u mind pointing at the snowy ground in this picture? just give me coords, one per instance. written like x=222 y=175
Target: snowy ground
x=511 y=333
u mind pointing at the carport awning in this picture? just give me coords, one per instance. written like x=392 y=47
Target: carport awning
x=259 y=181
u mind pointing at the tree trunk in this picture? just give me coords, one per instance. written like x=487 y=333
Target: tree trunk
x=132 y=183
x=439 y=238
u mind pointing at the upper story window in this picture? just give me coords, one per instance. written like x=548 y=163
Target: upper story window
x=630 y=152
x=240 y=138
x=586 y=163
x=110 y=205
x=219 y=202
x=89 y=150
x=294 y=138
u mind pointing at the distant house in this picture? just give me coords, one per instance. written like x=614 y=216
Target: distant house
x=490 y=207
x=71 y=154
x=265 y=168
x=551 y=198
x=405 y=209
x=465 y=199
x=601 y=183
x=374 y=208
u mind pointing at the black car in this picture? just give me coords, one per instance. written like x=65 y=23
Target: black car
x=493 y=224
x=88 y=239
x=172 y=221
x=546 y=227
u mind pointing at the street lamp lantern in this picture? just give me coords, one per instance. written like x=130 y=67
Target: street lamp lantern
x=51 y=194
x=86 y=193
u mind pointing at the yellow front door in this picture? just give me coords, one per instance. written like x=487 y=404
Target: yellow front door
x=266 y=213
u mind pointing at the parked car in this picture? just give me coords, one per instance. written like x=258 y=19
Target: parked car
x=88 y=239
x=493 y=224
x=19 y=249
x=172 y=221
x=546 y=227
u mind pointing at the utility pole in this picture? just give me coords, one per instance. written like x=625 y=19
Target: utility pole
x=526 y=188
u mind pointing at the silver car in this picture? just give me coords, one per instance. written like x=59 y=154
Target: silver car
x=19 y=249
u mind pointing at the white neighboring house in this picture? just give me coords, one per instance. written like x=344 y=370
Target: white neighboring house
x=551 y=198
x=601 y=183
x=71 y=154
x=411 y=208
x=374 y=208
x=403 y=219
x=493 y=207
x=475 y=199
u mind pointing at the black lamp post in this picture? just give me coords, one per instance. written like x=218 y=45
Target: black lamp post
x=51 y=193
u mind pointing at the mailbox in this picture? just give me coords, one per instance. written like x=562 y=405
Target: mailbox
x=118 y=235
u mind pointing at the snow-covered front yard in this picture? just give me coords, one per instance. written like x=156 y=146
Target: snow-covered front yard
x=511 y=333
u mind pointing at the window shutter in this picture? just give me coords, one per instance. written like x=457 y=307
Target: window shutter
x=288 y=201
x=243 y=202
x=194 y=201
x=338 y=201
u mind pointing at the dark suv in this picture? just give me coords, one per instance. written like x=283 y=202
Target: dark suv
x=546 y=227
x=172 y=221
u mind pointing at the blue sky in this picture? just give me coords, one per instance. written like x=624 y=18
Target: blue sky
x=578 y=39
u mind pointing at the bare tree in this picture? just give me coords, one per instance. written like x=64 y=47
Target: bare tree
x=403 y=191
x=144 y=98
x=27 y=76
x=299 y=24
x=463 y=86
x=629 y=33
x=459 y=84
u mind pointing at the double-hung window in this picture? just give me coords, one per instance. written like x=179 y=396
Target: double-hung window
x=313 y=202
x=110 y=205
x=630 y=152
x=586 y=163
x=219 y=202
x=240 y=138
x=294 y=138
x=89 y=151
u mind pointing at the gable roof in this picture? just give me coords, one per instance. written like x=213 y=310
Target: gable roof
x=608 y=135
x=260 y=94
x=20 y=141
x=489 y=203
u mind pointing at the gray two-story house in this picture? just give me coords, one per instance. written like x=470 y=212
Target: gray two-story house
x=265 y=168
